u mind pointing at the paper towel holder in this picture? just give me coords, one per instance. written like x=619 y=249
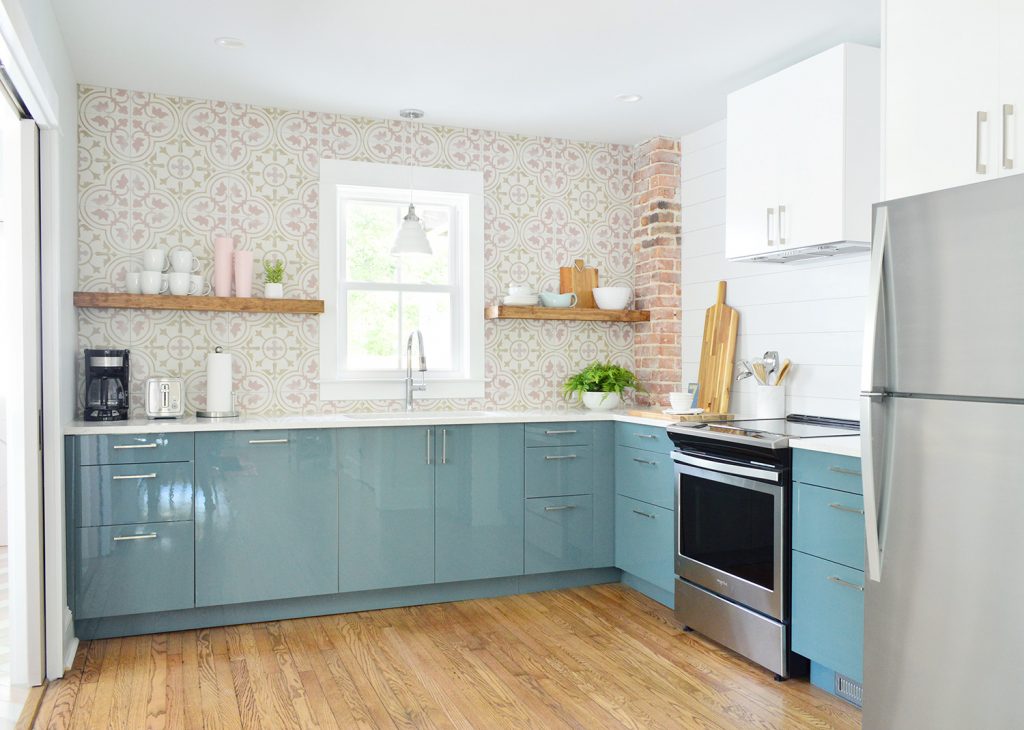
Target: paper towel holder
x=219 y=414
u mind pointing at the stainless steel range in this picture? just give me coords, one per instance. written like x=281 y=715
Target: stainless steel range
x=733 y=515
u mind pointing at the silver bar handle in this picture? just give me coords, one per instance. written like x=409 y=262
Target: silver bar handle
x=444 y=445
x=782 y=226
x=845 y=508
x=979 y=167
x=559 y=508
x=429 y=449
x=134 y=446
x=644 y=514
x=645 y=435
x=561 y=432
x=843 y=470
x=1007 y=113
x=268 y=441
x=845 y=583
x=768 y=225
x=645 y=461
x=126 y=538
x=119 y=477
x=559 y=458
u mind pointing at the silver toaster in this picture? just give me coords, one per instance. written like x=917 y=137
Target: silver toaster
x=165 y=398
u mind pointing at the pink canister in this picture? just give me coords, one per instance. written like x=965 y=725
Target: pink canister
x=243 y=273
x=223 y=264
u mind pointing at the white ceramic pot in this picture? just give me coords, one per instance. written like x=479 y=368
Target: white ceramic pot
x=601 y=401
x=612 y=297
x=273 y=290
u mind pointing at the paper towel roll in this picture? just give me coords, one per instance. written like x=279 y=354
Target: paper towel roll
x=218 y=382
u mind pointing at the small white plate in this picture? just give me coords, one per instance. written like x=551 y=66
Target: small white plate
x=521 y=301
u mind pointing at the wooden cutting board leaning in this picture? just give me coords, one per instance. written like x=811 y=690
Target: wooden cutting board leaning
x=718 y=350
x=582 y=280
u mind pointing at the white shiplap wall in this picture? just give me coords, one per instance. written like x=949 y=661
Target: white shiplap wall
x=811 y=313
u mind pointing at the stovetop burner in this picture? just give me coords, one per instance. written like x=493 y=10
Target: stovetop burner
x=773 y=433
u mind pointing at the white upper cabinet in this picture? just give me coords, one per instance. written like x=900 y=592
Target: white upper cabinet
x=802 y=156
x=954 y=90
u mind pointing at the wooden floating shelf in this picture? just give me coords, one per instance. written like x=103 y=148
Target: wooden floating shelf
x=566 y=313
x=116 y=300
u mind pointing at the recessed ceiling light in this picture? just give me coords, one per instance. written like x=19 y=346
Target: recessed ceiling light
x=410 y=113
x=629 y=98
x=226 y=41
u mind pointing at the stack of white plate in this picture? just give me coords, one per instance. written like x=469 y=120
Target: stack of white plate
x=521 y=300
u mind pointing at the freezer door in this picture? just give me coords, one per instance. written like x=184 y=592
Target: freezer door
x=943 y=630
x=952 y=286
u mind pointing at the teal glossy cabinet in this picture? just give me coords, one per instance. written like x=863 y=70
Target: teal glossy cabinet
x=387 y=507
x=828 y=614
x=559 y=533
x=120 y=494
x=266 y=515
x=478 y=498
x=644 y=539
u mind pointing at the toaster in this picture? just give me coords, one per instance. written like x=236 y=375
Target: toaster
x=165 y=398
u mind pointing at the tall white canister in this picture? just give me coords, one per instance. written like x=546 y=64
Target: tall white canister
x=220 y=396
x=770 y=401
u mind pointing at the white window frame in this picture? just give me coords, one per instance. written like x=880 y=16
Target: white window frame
x=364 y=180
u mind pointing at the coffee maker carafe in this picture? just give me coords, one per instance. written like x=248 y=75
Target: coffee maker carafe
x=106 y=385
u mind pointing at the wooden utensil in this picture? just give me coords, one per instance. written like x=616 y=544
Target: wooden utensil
x=783 y=371
x=717 y=352
x=761 y=372
x=580 y=279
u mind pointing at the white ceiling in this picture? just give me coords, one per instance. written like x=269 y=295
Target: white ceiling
x=544 y=67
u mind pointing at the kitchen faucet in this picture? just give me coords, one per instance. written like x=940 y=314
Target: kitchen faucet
x=410 y=386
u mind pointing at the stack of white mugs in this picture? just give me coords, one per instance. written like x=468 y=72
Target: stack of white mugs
x=161 y=273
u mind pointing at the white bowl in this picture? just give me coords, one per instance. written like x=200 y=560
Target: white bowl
x=613 y=297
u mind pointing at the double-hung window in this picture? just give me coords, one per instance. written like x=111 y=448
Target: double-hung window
x=374 y=299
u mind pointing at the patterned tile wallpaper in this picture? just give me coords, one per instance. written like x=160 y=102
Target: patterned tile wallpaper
x=161 y=170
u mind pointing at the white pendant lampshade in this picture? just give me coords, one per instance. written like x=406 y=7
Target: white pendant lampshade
x=411 y=237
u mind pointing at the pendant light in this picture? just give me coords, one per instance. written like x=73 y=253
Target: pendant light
x=411 y=238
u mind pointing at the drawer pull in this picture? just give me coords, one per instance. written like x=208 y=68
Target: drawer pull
x=134 y=446
x=563 y=432
x=559 y=458
x=559 y=508
x=645 y=435
x=268 y=441
x=119 y=477
x=645 y=461
x=125 y=538
x=845 y=583
x=847 y=472
x=844 y=508
x=644 y=514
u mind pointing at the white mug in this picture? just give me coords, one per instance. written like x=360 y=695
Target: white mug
x=154 y=259
x=183 y=262
x=153 y=282
x=132 y=284
x=520 y=291
x=198 y=286
x=179 y=283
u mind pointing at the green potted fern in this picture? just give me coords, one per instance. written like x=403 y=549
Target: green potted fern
x=273 y=274
x=600 y=385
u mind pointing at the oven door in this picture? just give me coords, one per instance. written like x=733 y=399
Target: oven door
x=730 y=530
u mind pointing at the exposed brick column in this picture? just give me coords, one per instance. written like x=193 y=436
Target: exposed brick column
x=656 y=248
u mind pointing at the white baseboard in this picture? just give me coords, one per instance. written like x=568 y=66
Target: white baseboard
x=69 y=655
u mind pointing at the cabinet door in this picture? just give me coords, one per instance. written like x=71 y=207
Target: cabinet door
x=479 y=502
x=266 y=515
x=644 y=541
x=1011 y=86
x=387 y=507
x=942 y=69
x=828 y=614
x=559 y=533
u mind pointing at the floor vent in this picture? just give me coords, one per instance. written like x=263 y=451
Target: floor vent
x=849 y=690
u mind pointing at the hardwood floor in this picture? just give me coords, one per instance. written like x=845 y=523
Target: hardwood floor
x=601 y=656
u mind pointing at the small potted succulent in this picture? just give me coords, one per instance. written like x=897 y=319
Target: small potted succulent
x=600 y=385
x=273 y=273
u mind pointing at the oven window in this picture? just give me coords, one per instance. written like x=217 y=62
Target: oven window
x=729 y=528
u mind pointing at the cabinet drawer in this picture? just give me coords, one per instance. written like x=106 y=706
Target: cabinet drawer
x=559 y=434
x=648 y=438
x=135 y=448
x=645 y=541
x=828 y=615
x=130 y=493
x=829 y=523
x=559 y=534
x=827 y=470
x=134 y=569
x=551 y=472
x=645 y=475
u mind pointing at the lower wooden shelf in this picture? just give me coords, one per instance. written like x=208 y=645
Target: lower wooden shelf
x=560 y=313
x=117 y=300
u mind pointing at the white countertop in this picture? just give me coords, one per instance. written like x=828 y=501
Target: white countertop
x=842 y=445
x=351 y=420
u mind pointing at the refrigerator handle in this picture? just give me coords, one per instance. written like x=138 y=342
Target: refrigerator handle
x=870 y=392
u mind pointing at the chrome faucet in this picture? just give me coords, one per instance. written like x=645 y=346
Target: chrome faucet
x=410 y=386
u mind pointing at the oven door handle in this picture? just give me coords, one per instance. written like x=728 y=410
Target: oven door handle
x=734 y=469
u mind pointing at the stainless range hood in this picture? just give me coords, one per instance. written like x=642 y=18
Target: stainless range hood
x=809 y=253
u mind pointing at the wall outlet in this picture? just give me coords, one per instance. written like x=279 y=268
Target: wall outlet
x=691 y=388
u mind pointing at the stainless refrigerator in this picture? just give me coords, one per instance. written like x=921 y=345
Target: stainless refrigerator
x=942 y=423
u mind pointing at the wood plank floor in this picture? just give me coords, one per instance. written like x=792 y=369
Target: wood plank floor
x=594 y=657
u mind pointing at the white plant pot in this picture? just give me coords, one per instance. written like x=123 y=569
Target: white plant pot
x=273 y=291
x=601 y=401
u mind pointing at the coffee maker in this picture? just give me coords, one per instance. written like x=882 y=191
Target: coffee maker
x=106 y=385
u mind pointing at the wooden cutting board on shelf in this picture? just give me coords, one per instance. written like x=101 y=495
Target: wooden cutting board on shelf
x=580 y=279
x=717 y=353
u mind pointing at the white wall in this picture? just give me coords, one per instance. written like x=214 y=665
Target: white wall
x=811 y=313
